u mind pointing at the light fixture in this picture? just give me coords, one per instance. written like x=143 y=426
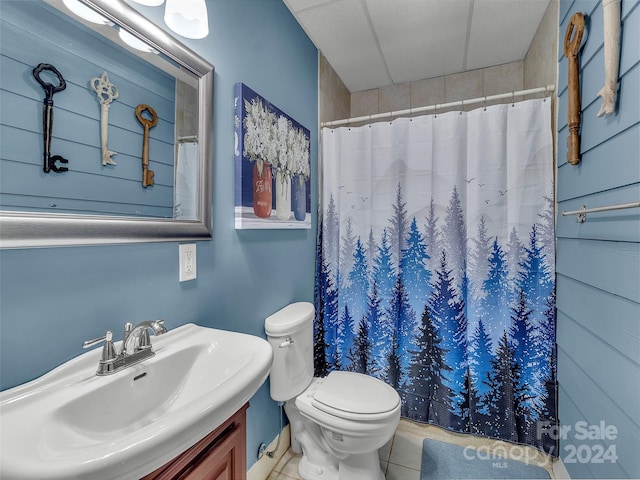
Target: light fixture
x=150 y=3
x=135 y=42
x=187 y=18
x=81 y=10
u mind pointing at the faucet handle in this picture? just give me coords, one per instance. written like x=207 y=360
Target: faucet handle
x=108 y=351
x=127 y=331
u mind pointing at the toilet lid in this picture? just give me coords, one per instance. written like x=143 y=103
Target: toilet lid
x=355 y=393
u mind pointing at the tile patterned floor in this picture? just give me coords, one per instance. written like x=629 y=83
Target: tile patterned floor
x=400 y=459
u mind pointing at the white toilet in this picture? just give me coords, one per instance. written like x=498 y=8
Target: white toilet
x=338 y=422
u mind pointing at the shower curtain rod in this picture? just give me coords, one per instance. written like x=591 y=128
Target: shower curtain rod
x=439 y=106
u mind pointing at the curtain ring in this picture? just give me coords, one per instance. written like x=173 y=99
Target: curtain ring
x=462 y=107
x=484 y=104
x=435 y=111
x=513 y=99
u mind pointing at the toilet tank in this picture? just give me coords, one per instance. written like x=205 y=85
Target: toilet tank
x=290 y=333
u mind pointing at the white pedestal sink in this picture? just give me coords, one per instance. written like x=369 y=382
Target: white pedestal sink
x=70 y=423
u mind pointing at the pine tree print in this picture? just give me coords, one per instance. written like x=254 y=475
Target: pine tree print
x=413 y=267
x=428 y=370
x=495 y=305
x=431 y=238
x=503 y=383
x=448 y=314
x=384 y=274
x=326 y=316
x=347 y=336
x=534 y=276
x=380 y=331
x=347 y=247
x=521 y=338
x=454 y=232
x=479 y=258
x=331 y=236
x=320 y=346
x=360 y=353
x=392 y=371
x=515 y=255
x=402 y=316
x=355 y=293
x=399 y=224
x=480 y=356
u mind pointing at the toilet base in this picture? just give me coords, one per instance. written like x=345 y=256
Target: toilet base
x=363 y=466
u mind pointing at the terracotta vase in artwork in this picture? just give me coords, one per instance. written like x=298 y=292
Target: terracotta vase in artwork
x=262 y=194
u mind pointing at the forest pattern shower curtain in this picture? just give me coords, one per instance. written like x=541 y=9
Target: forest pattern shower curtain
x=435 y=266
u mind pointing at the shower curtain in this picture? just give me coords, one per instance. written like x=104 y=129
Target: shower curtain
x=435 y=267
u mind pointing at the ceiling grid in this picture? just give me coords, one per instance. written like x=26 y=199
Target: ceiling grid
x=376 y=43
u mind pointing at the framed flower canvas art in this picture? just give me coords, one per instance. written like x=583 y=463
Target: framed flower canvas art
x=272 y=161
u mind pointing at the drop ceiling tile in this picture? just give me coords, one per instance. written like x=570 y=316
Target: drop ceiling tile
x=420 y=39
x=300 y=5
x=342 y=31
x=518 y=22
x=376 y=43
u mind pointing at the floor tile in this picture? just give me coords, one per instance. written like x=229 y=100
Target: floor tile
x=398 y=472
x=281 y=476
x=406 y=449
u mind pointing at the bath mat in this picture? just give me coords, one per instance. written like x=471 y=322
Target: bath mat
x=445 y=461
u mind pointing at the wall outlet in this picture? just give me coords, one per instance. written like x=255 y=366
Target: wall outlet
x=187 y=265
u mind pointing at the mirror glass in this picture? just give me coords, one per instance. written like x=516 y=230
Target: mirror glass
x=105 y=128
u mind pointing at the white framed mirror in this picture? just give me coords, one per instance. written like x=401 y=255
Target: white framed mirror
x=41 y=222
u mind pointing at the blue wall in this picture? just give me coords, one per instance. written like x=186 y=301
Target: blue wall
x=598 y=262
x=51 y=300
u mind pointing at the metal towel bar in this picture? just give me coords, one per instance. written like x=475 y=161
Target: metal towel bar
x=582 y=213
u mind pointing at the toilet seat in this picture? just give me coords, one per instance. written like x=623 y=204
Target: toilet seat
x=354 y=396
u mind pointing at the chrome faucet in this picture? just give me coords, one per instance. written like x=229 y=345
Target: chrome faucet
x=136 y=346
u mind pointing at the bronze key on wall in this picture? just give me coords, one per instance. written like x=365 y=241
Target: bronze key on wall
x=148 y=124
x=572 y=46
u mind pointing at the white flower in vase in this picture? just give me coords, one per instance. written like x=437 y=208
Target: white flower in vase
x=258 y=144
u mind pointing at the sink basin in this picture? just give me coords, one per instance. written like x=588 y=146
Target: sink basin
x=70 y=423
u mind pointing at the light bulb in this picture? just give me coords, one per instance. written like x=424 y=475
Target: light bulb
x=81 y=10
x=134 y=41
x=150 y=3
x=187 y=18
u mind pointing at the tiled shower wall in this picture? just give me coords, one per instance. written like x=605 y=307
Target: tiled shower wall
x=536 y=70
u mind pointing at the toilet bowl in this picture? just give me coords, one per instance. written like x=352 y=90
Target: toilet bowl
x=338 y=422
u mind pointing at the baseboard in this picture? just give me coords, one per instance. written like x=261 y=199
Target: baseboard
x=265 y=465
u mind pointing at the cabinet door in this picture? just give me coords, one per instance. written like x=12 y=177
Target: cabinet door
x=221 y=455
x=225 y=461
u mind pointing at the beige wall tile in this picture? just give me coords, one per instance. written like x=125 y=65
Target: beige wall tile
x=464 y=85
x=394 y=97
x=427 y=92
x=364 y=103
x=334 y=97
x=503 y=78
x=539 y=64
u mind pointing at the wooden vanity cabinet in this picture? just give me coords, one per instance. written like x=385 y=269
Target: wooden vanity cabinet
x=221 y=455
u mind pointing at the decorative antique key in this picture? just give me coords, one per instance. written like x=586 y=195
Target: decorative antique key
x=572 y=45
x=106 y=92
x=148 y=124
x=49 y=162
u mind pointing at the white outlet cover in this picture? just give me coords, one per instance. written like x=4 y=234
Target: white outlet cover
x=187 y=264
